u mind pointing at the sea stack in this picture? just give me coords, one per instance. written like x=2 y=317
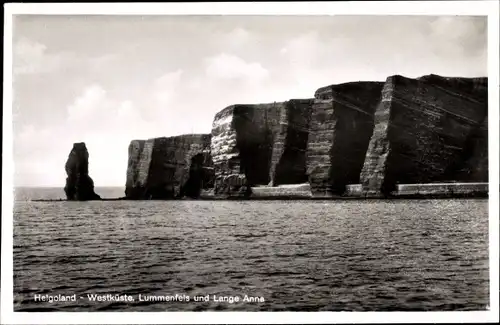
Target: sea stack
x=79 y=185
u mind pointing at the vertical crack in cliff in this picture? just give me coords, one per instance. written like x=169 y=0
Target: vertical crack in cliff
x=290 y=145
x=201 y=174
x=192 y=188
x=253 y=145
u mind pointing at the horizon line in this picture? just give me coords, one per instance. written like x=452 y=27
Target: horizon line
x=60 y=186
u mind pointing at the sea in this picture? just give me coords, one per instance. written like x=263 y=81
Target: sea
x=373 y=255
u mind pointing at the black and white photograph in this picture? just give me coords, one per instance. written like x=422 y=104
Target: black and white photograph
x=189 y=161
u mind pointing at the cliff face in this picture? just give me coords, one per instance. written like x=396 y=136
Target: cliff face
x=264 y=142
x=372 y=135
x=340 y=130
x=79 y=185
x=164 y=168
x=288 y=160
x=424 y=129
x=242 y=137
x=472 y=166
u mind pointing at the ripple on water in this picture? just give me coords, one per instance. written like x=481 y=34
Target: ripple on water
x=307 y=256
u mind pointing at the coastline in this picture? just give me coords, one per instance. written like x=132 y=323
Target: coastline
x=298 y=193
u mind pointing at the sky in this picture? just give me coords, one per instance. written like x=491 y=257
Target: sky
x=107 y=80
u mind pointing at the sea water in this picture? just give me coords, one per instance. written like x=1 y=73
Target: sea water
x=372 y=255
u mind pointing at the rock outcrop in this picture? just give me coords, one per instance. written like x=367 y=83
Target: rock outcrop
x=341 y=126
x=169 y=167
x=79 y=185
x=265 y=143
x=424 y=129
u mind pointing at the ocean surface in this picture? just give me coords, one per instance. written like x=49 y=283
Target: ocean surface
x=375 y=255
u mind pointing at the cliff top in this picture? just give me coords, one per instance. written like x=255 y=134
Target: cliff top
x=348 y=86
x=345 y=86
x=228 y=109
x=175 y=137
x=474 y=87
x=432 y=76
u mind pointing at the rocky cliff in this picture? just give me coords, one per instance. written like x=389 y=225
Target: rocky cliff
x=264 y=143
x=242 y=138
x=288 y=158
x=472 y=166
x=170 y=167
x=375 y=134
x=424 y=129
x=341 y=126
x=79 y=185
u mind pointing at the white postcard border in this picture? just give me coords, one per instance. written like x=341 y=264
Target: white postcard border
x=487 y=8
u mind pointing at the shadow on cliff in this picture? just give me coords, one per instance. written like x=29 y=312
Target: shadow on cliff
x=200 y=178
x=255 y=147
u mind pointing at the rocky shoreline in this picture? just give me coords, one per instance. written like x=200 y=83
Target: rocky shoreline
x=369 y=136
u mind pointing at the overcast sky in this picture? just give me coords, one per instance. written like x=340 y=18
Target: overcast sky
x=108 y=80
